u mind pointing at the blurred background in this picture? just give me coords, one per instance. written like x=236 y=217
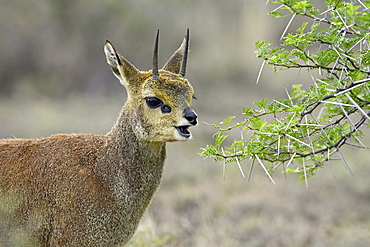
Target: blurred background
x=54 y=79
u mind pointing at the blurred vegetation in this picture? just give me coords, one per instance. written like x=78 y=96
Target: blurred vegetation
x=54 y=79
x=55 y=47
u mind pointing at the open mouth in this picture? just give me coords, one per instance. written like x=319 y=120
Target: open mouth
x=183 y=130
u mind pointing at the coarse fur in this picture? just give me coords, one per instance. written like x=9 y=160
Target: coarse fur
x=92 y=190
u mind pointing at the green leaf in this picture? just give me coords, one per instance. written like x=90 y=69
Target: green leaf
x=227 y=120
x=219 y=140
x=292 y=171
x=259 y=123
x=276 y=14
x=262 y=103
x=303 y=26
x=339 y=23
x=248 y=111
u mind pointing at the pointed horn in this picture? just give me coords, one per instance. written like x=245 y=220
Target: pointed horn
x=155 y=74
x=185 y=56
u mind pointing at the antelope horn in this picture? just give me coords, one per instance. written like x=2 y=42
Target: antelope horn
x=155 y=73
x=185 y=56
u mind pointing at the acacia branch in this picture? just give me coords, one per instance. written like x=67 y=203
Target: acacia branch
x=302 y=66
x=338 y=92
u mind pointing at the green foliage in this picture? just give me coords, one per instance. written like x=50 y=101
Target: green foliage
x=305 y=131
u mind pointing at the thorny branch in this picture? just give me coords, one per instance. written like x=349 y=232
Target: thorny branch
x=314 y=125
x=338 y=92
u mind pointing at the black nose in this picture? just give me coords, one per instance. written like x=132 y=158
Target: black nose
x=191 y=116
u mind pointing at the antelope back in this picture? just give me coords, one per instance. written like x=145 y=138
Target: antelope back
x=160 y=98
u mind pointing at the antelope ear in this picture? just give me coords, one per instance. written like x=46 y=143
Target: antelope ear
x=174 y=63
x=125 y=72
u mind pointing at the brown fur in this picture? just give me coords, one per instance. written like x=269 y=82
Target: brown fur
x=92 y=190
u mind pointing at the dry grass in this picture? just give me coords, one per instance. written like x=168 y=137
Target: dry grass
x=195 y=207
x=199 y=209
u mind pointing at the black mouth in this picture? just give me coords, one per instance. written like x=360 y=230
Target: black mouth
x=183 y=131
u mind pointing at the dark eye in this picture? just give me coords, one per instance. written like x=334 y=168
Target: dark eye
x=153 y=102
